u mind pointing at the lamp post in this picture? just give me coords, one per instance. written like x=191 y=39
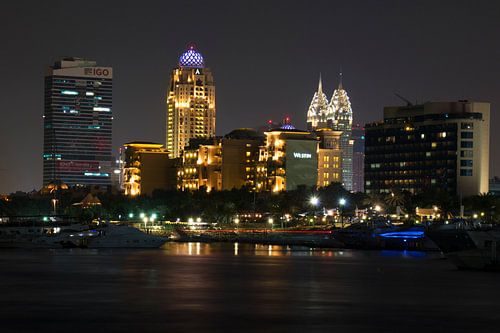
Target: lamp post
x=237 y=221
x=271 y=221
x=314 y=201
x=342 y=202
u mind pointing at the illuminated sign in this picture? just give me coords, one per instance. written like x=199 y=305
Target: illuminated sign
x=302 y=155
x=96 y=71
x=79 y=166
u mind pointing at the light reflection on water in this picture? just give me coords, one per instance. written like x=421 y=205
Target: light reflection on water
x=225 y=287
x=207 y=249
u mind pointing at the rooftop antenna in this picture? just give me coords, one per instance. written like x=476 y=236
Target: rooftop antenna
x=340 y=78
x=408 y=103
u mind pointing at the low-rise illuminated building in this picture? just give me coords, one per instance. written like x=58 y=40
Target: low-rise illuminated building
x=240 y=157
x=436 y=144
x=145 y=168
x=201 y=164
x=329 y=157
x=288 y=159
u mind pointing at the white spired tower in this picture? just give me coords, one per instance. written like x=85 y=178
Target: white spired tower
x=340 y=107
x=318 y=113
x=190 y=102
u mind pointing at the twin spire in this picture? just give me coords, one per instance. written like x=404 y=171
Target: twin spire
x=320 y=84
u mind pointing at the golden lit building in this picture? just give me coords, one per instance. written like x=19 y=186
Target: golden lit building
x=329 y=157
x=146 y=167
x=288 y=159
x=190 y=103
x=201 y=165
x=240 y=158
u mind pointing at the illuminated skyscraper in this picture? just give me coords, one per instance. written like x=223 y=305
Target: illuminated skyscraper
x=77 y=123
x=190 y=102
x=335 y=115
x=318 y=114
x=340 y=107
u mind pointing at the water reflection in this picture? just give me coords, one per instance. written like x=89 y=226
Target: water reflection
x=237 y=249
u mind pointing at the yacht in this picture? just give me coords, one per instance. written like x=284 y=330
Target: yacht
x=472 y=247
x=119 y=236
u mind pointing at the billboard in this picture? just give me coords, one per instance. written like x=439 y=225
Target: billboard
x=301 y=163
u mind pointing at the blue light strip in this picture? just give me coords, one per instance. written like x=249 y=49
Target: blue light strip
x=403 y=234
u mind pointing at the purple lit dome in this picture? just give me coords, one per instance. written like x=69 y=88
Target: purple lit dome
x=191 y=58
x=287 y=127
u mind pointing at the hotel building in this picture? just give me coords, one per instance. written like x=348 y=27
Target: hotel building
x=436 y=144
x=329 y=157
x=240 y=158
x=190 y=103
x=288 y=159
x=200 y=165
x=78 y=123
x=146 y=167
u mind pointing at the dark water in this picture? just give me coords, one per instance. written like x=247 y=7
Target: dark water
x=222 y=288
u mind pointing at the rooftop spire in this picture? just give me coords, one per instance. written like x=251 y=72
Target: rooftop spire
x=340 y=79
x=320 y=86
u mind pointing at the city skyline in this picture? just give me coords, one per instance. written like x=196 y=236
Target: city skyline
x=276 y=64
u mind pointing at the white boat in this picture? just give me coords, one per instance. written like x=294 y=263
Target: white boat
x=39 y=236
x=122 y=236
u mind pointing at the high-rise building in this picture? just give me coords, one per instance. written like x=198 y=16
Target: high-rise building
x=190 y=103
x=436 y=144
x=340 y=106
x=336 y=115
x=78 y=123
x=329 y=157
x=145 y=168
x=358 y=158
x=319 y=115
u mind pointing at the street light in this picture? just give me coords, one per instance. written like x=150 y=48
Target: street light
x=142 y=215
x=314 y=201
x=236 y=221
x=270 y=221
x=342 y=202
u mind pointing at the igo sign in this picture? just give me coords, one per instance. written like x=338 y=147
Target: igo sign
x=97 y=71
x=302 y=155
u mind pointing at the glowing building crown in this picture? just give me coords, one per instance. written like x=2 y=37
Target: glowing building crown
x=191 y=58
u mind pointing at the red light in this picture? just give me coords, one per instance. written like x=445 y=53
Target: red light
x=269 y=121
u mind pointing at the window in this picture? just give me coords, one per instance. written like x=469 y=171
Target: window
x=428 y=154
x=466 y=144
x=434 y=144
x=442 y=135
x=465 y=172
x=466 y=153
x=467 y=126
x=248 y=153
x=466 y=163
x=467 y=135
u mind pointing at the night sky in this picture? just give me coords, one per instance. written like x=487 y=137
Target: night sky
x=266 y=57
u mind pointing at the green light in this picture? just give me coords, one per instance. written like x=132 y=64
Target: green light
x=130 y=215
x=45 y=219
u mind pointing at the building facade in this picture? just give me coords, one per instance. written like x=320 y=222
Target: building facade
x=329 y=157
x=358 y=159
x=240 y=158
x=436 y=144
x=78 y=123
x=190 y=103
x=146 y=167
x=200 y=165
x=288 y=159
